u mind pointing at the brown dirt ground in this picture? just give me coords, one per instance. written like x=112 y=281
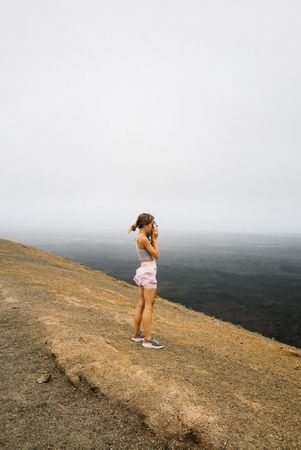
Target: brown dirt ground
x=213 y=386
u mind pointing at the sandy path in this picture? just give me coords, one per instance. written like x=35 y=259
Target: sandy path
x=56 y=414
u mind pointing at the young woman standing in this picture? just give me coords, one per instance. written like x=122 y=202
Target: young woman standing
x=145 y=278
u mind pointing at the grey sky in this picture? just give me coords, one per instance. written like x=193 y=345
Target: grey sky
x=189 y=110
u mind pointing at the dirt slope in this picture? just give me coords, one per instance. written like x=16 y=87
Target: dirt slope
x=213 y=386
x=55 y=414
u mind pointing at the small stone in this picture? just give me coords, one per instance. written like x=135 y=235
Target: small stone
x=44 y=377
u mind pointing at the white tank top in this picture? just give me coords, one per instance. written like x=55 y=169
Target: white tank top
x=143 y=254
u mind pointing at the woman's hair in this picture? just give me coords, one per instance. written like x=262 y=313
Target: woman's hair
x=142 y=219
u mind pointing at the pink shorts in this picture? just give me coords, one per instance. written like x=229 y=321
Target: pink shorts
x=146 y=274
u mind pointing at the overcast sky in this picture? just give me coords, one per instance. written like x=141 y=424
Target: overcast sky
x=188 y=110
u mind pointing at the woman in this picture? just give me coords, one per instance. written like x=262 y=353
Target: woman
x=145 y=278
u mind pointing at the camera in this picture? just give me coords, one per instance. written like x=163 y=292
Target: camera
x=154 y=227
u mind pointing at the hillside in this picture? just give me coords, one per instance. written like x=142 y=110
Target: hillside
x=213 y=386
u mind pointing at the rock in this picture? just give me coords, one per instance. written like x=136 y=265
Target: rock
x=44 y=377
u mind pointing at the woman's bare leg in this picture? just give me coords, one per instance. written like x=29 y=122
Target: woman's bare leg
x=149 y=297
x=139 y=311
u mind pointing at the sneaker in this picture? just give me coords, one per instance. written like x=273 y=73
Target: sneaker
x=152 y=343
x=138 y=338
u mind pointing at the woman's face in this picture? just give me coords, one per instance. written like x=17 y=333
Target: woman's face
x=148 y=228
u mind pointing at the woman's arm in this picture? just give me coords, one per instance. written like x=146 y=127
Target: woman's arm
x=153 y=248
x=156 y=247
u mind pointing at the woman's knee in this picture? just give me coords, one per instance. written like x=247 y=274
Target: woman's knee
x=150 y=296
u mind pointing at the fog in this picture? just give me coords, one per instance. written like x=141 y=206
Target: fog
x=188 y=110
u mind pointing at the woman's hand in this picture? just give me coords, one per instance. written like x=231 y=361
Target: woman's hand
x=155 y=233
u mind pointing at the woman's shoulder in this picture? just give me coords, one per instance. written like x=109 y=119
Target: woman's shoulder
x=141 y=239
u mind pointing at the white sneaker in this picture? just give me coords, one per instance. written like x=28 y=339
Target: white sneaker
x=138 y=338
x=152 y=343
